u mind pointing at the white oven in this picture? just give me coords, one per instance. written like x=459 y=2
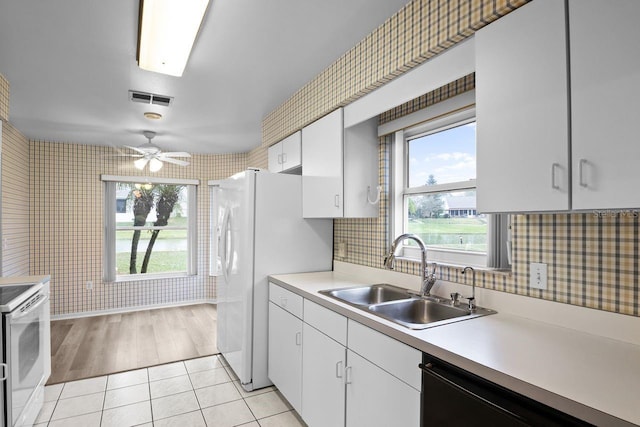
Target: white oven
x=26 y=352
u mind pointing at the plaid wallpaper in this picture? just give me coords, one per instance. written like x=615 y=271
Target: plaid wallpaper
x=66 y=239
x=4 y=98
x=15 y=202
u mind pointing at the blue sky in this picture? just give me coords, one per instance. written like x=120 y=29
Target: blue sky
x=450 y=156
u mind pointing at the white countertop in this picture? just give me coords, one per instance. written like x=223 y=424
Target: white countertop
x=591 y=377
x=19 y=280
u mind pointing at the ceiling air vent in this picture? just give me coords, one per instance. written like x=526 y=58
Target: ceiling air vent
x=150 y=98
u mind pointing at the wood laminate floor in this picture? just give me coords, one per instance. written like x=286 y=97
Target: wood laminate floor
x=101 y=345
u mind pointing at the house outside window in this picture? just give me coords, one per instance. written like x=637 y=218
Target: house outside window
x=149 y=228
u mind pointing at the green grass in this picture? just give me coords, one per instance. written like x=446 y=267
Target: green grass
x=469 y=234
x=164 y=234
x=160 y=262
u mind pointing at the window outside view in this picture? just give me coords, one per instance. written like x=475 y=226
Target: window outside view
x=445 y=219
x=151 y=228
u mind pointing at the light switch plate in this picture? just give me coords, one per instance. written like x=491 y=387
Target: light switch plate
x=538 y=275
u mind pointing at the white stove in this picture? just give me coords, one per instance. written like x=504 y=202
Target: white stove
x=11 y=296
x=25 y=349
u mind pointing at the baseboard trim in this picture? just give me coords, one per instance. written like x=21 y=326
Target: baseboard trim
x=129 y=309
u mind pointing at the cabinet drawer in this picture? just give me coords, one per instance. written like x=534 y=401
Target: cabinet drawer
x=397 y=358
x=286 y=299
x=326 y=321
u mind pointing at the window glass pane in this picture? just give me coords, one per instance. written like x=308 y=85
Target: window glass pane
x=447 y=220
x=145 y=204
x=168 y=254
x=443 y=157
x=151 y=205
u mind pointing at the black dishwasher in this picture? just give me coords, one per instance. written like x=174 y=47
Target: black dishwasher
x=453 y=397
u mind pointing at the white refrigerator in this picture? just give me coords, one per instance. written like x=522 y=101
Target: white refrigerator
x=262 y=232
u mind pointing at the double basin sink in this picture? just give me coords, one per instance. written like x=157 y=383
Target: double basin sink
x=400 y=306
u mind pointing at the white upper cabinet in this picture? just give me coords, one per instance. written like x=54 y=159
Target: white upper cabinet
x=322 y=193
x=545 y=145
x=605 y=94
x=339 y=169
x=522 y=111
x=285 y=156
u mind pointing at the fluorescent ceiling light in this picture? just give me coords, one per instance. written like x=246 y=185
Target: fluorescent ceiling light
x=168 y=29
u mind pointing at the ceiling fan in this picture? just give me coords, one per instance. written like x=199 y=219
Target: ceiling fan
x=150 y=153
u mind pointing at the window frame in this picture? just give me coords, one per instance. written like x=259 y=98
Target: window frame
x=401 y=168
x=110 y=228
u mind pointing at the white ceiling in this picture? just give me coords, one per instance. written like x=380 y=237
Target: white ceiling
x=71 y=63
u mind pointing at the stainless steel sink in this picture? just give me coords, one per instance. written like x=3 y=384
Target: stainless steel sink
x=415 y=313
x=368 y=295
x=399 y=306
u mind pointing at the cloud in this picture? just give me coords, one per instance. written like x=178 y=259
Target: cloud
x=445 y=157
x=469 y=164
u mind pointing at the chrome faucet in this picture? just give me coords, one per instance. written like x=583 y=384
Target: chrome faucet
x=472 y=299
x=428 y=279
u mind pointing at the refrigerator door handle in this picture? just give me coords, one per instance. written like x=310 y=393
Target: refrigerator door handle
x=224 y=241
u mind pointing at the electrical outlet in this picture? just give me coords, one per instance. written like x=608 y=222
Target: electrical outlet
x=538 y=275
x=342 y=250
x=89 y=285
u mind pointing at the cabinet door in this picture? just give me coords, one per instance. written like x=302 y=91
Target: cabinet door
x=605 y=71
x=361 y=170
x=291 y=151
x=322 y=192
x=323 y=389
x=285 y=354
x=522 y=110
x=275 y=157
x=377 y=398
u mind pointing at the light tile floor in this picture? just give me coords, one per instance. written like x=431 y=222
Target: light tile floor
x=192 y=393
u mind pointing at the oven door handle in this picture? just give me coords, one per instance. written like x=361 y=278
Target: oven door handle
x=42 y=298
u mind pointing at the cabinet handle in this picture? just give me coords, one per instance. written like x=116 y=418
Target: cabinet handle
x=298 y=338
x=337 y=201
x=4 y=371
x=339 y=369
x=284 y=158
x=279 y=159
x=554 y=185
x=283 y=302
x=583 y=162
x=347 y=375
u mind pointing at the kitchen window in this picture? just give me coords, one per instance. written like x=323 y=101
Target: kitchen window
x=435 y=194
x=150 y=228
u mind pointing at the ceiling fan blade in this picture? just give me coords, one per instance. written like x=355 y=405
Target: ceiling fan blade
x=176 y=154
x=172 y=160
x=135 y=149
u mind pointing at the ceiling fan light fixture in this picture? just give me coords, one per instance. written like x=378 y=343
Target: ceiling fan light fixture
x=140 y=163
x=168 y=29
x=155 y=165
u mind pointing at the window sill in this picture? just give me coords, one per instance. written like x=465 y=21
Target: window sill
x=147 y=277
x=499 y=271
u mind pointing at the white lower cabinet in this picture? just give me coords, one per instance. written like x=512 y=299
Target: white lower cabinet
x=323 y=390
x=344 y=373
x=285 y=354
x=377 y=398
